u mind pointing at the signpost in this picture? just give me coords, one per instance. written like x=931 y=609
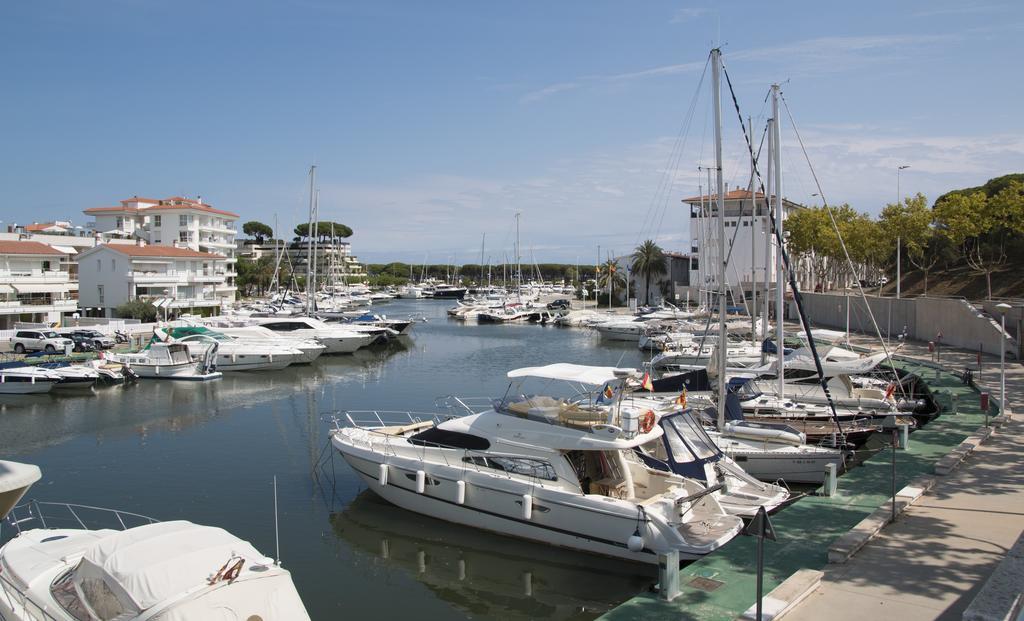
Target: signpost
x=760 y=527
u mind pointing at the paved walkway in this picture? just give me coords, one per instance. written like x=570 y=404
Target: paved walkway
x=934 y=560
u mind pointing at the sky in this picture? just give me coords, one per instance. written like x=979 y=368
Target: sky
x=433 y=123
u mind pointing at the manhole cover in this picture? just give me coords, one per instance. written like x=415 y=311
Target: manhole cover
x=705 y=584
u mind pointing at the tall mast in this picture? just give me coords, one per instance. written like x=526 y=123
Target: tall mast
x=753 y=238
x=316 y=242
x=483 y=243
x=768 y=239
x=309 y=241
x=780 y=268
x=716 y=89
x=519 y=264
x=275 y=282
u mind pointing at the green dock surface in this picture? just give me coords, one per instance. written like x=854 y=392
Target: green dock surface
x=722 y=586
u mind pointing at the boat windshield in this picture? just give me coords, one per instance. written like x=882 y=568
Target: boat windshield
x=693 y=434
x=92 y=597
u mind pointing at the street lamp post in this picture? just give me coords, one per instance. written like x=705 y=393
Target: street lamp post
x=899 y=199
x=1003 y=307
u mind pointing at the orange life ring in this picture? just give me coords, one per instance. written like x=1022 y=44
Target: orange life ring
x=647 y=422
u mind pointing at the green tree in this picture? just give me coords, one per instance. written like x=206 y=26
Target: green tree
x=324 y=230
x=649 y=260
x=983 y=226
x=257 y=230
x=909 y=228
x=610 y=278
x=137 y=309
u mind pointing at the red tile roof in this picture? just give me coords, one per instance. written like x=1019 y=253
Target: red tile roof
x=121 y=209
x=196 y=206
x=139 y=199
x=29 y=247
x=134 y=250
x=42 y=227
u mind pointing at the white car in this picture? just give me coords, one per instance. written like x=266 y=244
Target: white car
x=40 y=340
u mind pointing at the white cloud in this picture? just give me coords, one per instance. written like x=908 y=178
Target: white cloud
x=687 y=14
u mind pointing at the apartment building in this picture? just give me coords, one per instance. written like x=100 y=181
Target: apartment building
x=36 y=283
x=174 y=222
x=335 y=261
x=114 y=273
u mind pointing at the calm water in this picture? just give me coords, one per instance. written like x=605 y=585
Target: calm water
x=208 y=452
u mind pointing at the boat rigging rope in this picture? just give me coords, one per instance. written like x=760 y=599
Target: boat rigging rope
x=790 y=272
x=842 y=244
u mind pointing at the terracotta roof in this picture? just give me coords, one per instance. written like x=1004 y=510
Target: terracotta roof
x=28 y=247
x=134 y=250
x=734 y=195
x=196 y=206
x=139 y=199
x=121 y=209
x=42 y=227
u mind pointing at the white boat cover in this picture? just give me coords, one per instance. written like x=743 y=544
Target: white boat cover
x=151 y=564
x=594 y=376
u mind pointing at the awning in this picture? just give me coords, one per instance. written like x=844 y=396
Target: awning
x=65 y=249
x=583 y=374
x=55 y=288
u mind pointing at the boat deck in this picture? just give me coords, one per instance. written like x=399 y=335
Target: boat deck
x=722 y=585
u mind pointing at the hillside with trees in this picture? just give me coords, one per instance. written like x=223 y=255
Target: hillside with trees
x=969 y=242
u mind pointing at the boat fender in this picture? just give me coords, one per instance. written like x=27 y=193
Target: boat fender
x=234 y=357
x=460 y=492
x=421 y=481
x=527 y=506
x=647 y=422
x=382 y=477
x=635 y=543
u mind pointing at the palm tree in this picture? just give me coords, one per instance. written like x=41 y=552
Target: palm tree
x=609 y=276
x=649 y=260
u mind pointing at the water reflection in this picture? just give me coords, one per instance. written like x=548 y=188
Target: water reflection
x=485 y=574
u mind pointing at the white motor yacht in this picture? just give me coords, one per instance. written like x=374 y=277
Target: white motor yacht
x=311 y=348
x=27 y=380
x=234 y=354
x=173 y=571
x=171 y=361
x=568 y=472
x=338 y=339
x=73 y=376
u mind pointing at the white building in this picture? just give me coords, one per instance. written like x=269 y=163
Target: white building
x=747 y=230
x=334 y=261
x=36 y=283
x=111 y=274
x=177 y=222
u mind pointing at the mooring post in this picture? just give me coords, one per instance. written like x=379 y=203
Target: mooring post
x=668 y=575
x=831 y=480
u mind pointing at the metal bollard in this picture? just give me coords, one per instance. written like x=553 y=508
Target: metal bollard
x=904 y=435
x=668 y=575
x=831 y=480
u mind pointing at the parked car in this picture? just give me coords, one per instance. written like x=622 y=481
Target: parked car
x=83 y=343
x=560 y=304
x=99 y=340
x=40 y=340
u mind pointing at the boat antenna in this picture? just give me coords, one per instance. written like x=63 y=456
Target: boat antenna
x=277 y=536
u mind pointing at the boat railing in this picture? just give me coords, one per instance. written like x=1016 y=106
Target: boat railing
x=378 y=419
x=14 y=598
x=68 y=515
x=455 y=406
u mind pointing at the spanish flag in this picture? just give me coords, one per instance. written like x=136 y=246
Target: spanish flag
x=646 y=383
x=681 y=399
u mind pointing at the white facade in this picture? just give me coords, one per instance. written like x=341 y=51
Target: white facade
x=336 y=258
x=36 y=284
x=748 y=229
x=178 y=222
x=112 y=274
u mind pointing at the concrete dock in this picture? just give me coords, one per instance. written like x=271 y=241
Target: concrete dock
x=929 y=565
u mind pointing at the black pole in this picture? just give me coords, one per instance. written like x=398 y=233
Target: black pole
x=760 y=575
x=895 y=434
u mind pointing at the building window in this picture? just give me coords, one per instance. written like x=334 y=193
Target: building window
x=184 y=236
x=113 y=265
x=120 y=222
x=156 y=221
x=46 y=266
x=99 y=265
x=99 y=292
x=183 y=220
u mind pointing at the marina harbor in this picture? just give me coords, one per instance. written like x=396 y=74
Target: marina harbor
x=568 y=312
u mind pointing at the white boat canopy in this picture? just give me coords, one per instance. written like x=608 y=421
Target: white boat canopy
x=564 y=371
x=163 y=562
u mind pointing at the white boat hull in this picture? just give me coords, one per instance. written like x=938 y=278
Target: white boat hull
x=25 y=387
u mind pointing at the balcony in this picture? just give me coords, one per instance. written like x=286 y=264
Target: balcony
x=216 y=243
x=14 y=307
x=223 y=230
x=169 y=278
x=33 y=277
